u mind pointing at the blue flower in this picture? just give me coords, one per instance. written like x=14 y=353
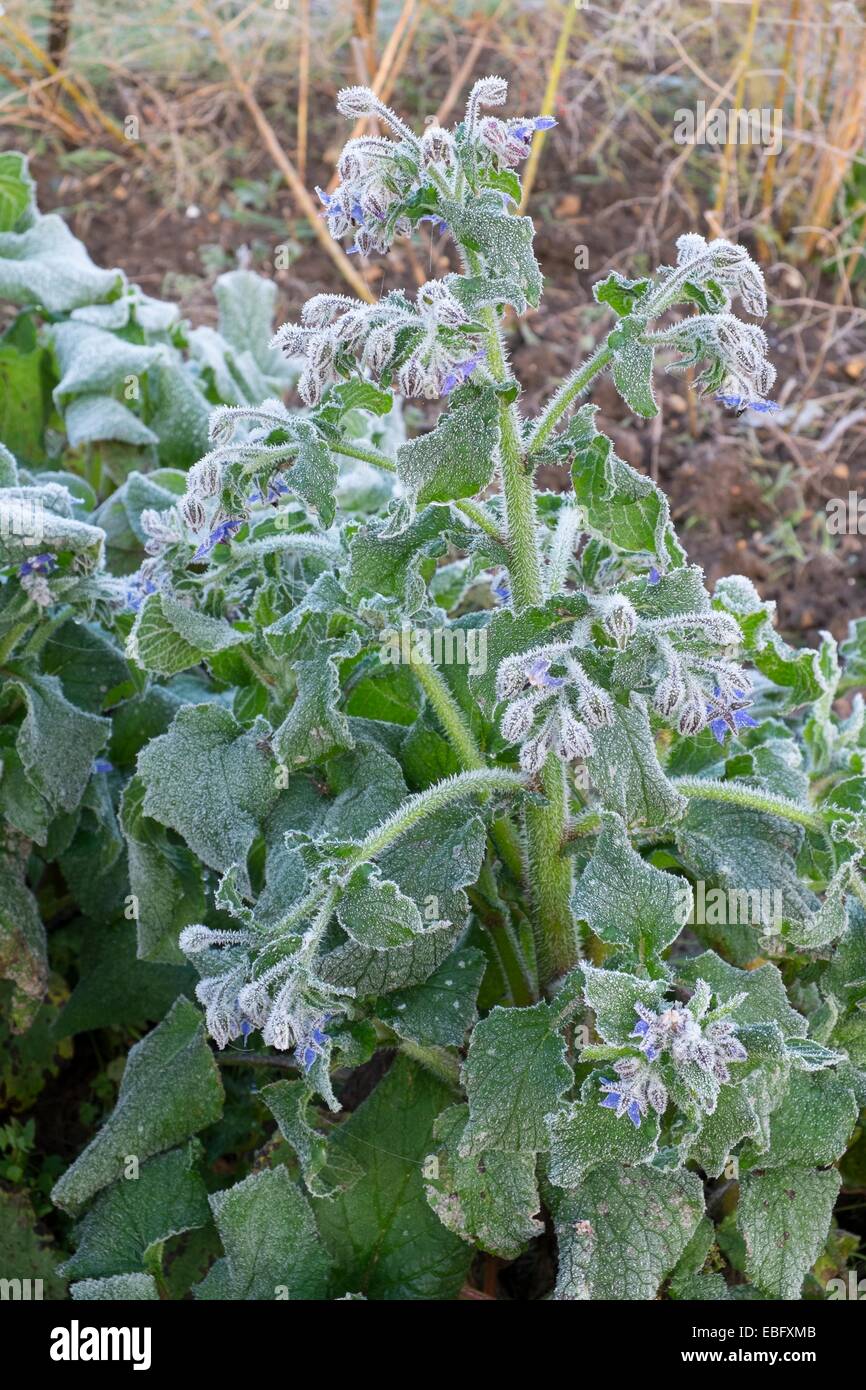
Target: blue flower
x=137 y=590
x=462 y=371
x=528 y=129
x=310 y=1047
x=538 y=673
x=730 y=718
x=276 y=489
x=653 y=577
x=438 y=222
x=102 y=765
x=641 y=1028
x=501 y=590
x=741 y=403
x=40 y=564
x=219 y=535
x=620 y=1101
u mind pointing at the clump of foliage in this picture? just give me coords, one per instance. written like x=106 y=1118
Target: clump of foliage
x=465 y=888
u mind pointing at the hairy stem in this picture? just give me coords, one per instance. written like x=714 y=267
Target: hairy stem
x=451 y=717
x=426 y=803
x=557 y=943
x=736 y=794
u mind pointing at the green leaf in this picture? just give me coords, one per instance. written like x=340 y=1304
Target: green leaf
x=811 y=1126
x=515 y=1074
x=314 y=472
x=117 y=989
x=633 y=377
x=209 y=780
x=170 y=1090
x=612 y=995
x=137 y=1213
x=440 y=1011
x=25 y=400
x=91 y=360
x=168 y=637
x=23 y=954
x=583 y=1136
x=490 y=1200
x=26 y=1255
x=621 y=294
x=733 y=1119
x=272 y=1247
x=457 y=458
x=397 y=565
x=374 y=912
x=46 y=265
x=314 y=727
x=247 y=308
x=623 y=1231
x=117 y=1288
x=766 y=998
x=382 y=1236
x=784 y=1216
x=289 y=1103
x=619 y=505
x=165 y=881
x=625 y=900
x=57 y=742
x=17 y=191
x=178 y=414
x=625 y=769
x=503 y=241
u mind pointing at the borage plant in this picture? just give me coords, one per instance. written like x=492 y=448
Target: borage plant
x=471 y=787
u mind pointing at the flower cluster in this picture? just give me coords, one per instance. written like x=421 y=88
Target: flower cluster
x=697 y=690
x=431 y=345
x=723 y=266
x=674 y=1035
x=736 y=354
x=32 y=576
x=552 y=704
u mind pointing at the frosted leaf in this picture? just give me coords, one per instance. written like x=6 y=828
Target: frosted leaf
x=490 y=1200
x=94 y=417
x=623 y=1231
x=178 y=415
x=314 y=728
x=325 y=1173
x=504 y=242
x=208 y=779
x=57 y=742
x=393 y=565
x=46 y=265
x=247 y=307
x=56 y=532
x=784 y=1216
x=633 y=377
x=515 y=1074
x=811 y=1125
x=734 y=1119
x=374 y=912
x=23 y=954
x=117 y=1288
x=170 y=1090
x=89 y=359
x=612 y=996
x=457 y=458
x=164 y=877
x=129 y=1219
x=270 y=1240
x=626 y=771
x=439 y=1011
x=627 y=901
x=766 y=999
x=368 y=971
x=585 y=1135
x=168 y=637
x=383 y=1238
x=618 y=504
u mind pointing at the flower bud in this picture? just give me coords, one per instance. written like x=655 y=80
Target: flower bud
x=437 y=146
x=518 y=718
x=534 y=751
x=355 y=102
x=193 y=513
x=489 y=91
x=693 y=713
x=575 y=739
x=621 y=622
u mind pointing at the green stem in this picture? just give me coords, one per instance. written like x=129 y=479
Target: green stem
x=450 y=716
x=568 y=392
x=557 y=943
x=481 y=781
x=442 y=1064
x=517 y=489
x=736 y=794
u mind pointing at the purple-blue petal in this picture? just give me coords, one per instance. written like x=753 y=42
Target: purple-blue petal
x=633 y=1113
